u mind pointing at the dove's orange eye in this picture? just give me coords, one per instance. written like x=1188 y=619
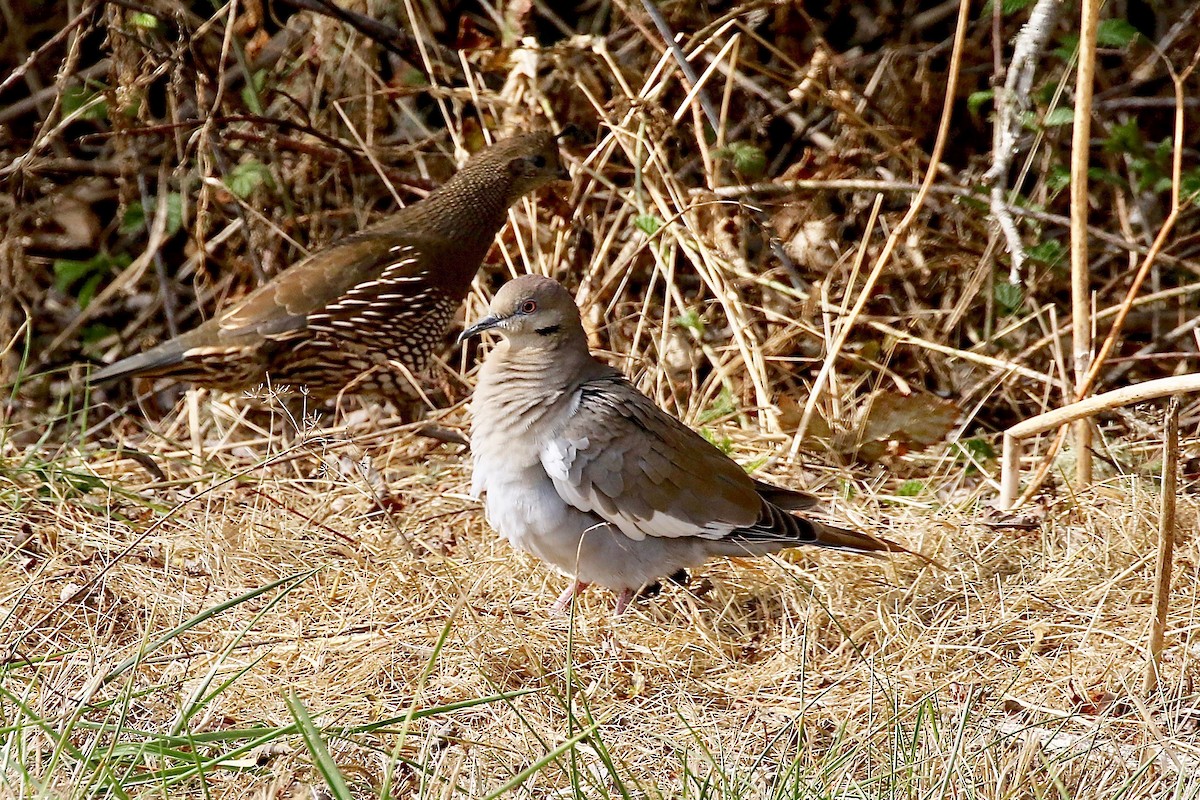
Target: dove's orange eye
x=529 y=306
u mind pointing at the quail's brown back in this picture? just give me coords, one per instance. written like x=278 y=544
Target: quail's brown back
x=366 y=313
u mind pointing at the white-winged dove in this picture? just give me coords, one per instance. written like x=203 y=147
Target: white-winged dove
x=584 y=471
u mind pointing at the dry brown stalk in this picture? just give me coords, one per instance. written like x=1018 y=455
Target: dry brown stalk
x=1083 y=409
x=1081 y=319
x=1166 y=547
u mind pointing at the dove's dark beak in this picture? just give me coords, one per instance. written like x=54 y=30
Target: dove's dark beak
x=485 y=324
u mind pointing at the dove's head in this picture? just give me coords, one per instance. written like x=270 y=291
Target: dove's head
x=532 y=311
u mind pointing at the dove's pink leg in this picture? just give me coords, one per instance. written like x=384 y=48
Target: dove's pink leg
x=624 y=598
x=564 y=600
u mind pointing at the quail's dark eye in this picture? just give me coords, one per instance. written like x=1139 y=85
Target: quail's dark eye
x=539 y=161
x=529 y=306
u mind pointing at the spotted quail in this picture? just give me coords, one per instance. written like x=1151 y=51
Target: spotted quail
x=368 y=311
x=585 y=472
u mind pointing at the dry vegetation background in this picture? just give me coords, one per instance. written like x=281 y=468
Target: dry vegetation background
x=202 y=596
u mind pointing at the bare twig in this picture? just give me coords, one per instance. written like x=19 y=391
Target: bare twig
x=1166 y=547
x=1081 y=306
x=49 y=44
x=1126 y=395
x=402 y=43
x=685 y=66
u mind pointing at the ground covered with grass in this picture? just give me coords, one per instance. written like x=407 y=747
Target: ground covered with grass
x=253 y=623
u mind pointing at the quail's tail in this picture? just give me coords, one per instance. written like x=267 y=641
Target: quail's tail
x=160 y=360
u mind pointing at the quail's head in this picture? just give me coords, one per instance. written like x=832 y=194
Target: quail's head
x=528 y=162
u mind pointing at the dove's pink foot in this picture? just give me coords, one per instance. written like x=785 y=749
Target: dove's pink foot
x=624 y=598
x=564 y=600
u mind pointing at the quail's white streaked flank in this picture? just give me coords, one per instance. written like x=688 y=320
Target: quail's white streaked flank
x=581 y=469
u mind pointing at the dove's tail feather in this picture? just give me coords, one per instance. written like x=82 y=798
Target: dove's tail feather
x=778 y=530
x=835 y=538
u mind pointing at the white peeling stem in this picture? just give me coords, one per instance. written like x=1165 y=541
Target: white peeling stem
x=1012 y=100
x=1010 y=471
x=1010 y=461
x=1082 y=437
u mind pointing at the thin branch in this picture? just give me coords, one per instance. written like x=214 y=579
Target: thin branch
x=685 y=66
x=1166 y=548
x=1081 y=305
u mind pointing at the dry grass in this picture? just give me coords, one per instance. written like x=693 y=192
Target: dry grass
x=207 y=599
x=812 y=676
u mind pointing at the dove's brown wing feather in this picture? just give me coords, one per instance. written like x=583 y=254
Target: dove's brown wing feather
x=636 y=466
x=787 y=499
x=639 y=468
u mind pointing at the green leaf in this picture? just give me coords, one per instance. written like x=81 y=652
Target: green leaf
x=648 y=224
x=1057 y=179
x=88 y=290
x=1070 y=45
x=977 y=100
x=979 y=449
x=722 y=443
x=692 y=321
x=1102 y=175
x=1189 y=187
x=748 y=159
x=1125 y=137
x=723 y=406
x=910 y=488
x=1007 y=7
x=248 y=176
x=144 y=20
x=252 y=91
x=1057 y=117
x=322 y=759
x=1048 y=252
x=414 y=78
x=76 y=97
x=84 y=277
x=1008 y=296
x=1115 y=33
x=96 y=332
x=135 y=218
x=68 y=272
x=754 y=465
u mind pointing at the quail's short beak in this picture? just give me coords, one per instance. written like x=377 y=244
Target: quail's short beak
x=485 y=324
